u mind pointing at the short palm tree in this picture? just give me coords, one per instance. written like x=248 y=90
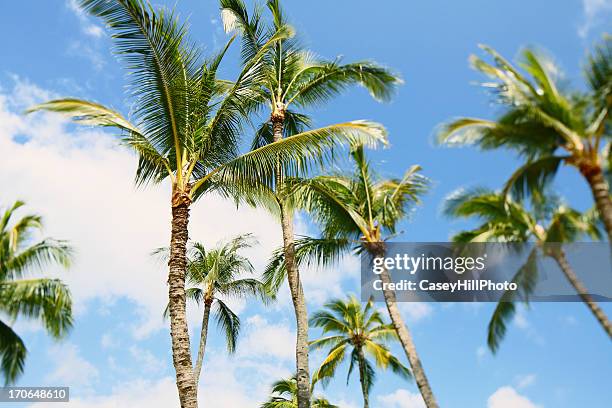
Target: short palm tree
x=286 y=396
x=347 y=326
x=44 y=299
x=294 y=77
x=357 y=212
x=186 y=128
x=215 y=276
x=547 y=125
x=550 y=225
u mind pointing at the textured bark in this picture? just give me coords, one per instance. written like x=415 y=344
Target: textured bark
x=181 y=350
x=582 y=291
x=295 y=285
x=203 y=337
x=601 y=195
x=406 y=340
x=362 y=379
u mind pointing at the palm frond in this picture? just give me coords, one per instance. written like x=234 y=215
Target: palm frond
x=296 y=154
x=45 y=299
x=533 y=177
x=319 y=82
x=12 y=354
x=229 y=323
x=86 y=113
x=526 y=279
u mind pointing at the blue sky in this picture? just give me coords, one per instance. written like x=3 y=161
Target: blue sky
x=118 y=353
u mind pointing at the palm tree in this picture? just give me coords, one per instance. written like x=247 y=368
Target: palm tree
x=44 y=299
x=550 y=224
x=287 y=396
x=214 y=276
x=357 y=213
x=361 y=329
x=186 y=128
x=293 y=76
x=546 y=125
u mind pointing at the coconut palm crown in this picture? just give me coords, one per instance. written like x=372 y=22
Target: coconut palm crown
x=350 y=327
x=215 y=276
x=545 y=123
x=285 y=396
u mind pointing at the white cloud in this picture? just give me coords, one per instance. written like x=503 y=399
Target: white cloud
x=146 y=361
x=402 y=399
x=134 y=394
x=481 y=353
x=108 y=341
x=265 y=339
x=87 y=27
x=594 y=13
x=520 y=318
x=222 y=385
x=415 y=311
x=521 y=322
x=71 y=368
x=523 y=381
x=507 y=397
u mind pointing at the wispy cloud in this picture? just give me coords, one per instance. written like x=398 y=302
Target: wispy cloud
x=87 y=26
x=595 y=11
x=523 y=381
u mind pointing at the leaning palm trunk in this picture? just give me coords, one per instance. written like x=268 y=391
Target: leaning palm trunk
x=405 y=337
x=559 y=257
x=295 y=285
x=601 y=195
x=362 y=378
x=203 y=337
x=181 y=350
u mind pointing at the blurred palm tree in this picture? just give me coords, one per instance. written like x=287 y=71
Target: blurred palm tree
x=44 y=299
x=357 y=213
x=214 y=277
x=550 y=225
x=287 y=396
x=187 y=127
x=546 y=124
x=361 y=329
x=295 y=77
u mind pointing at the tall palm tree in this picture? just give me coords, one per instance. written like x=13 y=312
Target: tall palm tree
x=44 y=299
x=186 y=128
x=357 y=213
x=550 y=225
x=295 y=77
x=215 y=275
x=286 y=396
x=364 y=332
x=545 y=124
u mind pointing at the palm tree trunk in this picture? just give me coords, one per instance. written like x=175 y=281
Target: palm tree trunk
x=406 y=340
x=295 y=286
x=362 y=378
x=203 y=336
x=181 y=350
x=582 y=291
x=601 y=195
